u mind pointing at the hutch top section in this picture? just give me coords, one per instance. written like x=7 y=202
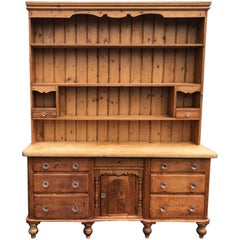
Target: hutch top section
x=117 y=72
x=117 y=10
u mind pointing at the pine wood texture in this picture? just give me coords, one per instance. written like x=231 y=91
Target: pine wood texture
x=116 y=110
x=152 y=150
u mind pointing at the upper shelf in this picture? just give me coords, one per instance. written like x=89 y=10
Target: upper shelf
x=182 y=87
x=102 y=45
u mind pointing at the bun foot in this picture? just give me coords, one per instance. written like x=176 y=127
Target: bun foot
x=88 y=229
x=33 y=230
x=147 y=230
x=201 y=229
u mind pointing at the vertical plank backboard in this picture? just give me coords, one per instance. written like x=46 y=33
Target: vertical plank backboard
x=122 y=66
x=114 y=58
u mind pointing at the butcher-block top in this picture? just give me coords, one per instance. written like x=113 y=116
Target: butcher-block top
x=106 y=149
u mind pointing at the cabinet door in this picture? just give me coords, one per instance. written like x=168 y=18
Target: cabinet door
x=119 y=195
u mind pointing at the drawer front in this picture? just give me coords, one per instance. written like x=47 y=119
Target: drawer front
x=61 y=206
x=44 y=113
x=179 y=165
x=177 y=183
x=118 y=162
x=176 y=206
x=53 y=182
x=59 y=164
x=188 y=113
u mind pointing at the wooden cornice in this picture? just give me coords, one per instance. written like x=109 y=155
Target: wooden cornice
x=117 y=9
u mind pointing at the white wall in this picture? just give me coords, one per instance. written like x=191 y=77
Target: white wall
x=220 y=131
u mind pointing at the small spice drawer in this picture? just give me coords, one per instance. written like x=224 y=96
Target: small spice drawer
x=71 y=206
x=179 y=165
x=176 y=206
x=177 y=183
x=60 y=164
x=192 y=113
x=60 y=182
x=44 y=113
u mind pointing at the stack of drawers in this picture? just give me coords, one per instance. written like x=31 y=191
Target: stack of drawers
x=60 y=188
x=179 y=188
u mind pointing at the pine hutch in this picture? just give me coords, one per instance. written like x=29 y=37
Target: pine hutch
x=116 y=104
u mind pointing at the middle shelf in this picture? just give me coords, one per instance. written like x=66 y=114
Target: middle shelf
x=136 y=102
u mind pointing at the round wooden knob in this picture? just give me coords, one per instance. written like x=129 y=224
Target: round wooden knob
x=192 y=209
x=45 y=166
x=75 y=166
x=194 y=166
x=75 y=184
x=163 y=185
x=44 y=114
x=163 y=209
x=164 y=166
x=46 y=208
x=45 y=184
x=75 y=208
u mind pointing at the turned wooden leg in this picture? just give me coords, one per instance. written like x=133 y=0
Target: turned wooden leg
x=201 y=229
x=88 y=229
x=33 y=230
x=147 y=228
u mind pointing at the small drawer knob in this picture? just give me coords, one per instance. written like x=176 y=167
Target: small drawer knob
x=192 y=209
x=74 y=208
x=45 y=184
x=44 y=114
x=45 y=166
x=163 y=185
x=75 y=166
x=194 y=166
x=163 y=209
x=193 y=186
x=164 y=166
x=187 y=114
x=75 y=184
x=45 y=208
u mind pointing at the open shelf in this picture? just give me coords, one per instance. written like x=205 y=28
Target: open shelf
x=102 y=45
x=122 y=75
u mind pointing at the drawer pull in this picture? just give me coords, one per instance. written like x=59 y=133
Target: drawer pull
x=187 y=114
x=75 y=166
x=45 y=208
x=103 y=195
x=163 y=209
x=193 y=186
x=44 y=114
x=163 y=185
x=164 y=166
x=194 y=166
x=45 y=184
x=192 y=209
x=45 y=166
x=75 y=208
x=75 y=184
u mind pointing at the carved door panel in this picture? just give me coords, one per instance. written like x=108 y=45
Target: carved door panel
x=119 y=195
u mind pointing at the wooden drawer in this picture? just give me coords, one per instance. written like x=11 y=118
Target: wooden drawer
x=179 y=165
x=118 y=162
x=177 y=183
x=44 y=113
x=184 y=113
x=59 y=164
x=60 y=206
x=176 y=206
x=53 y=182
